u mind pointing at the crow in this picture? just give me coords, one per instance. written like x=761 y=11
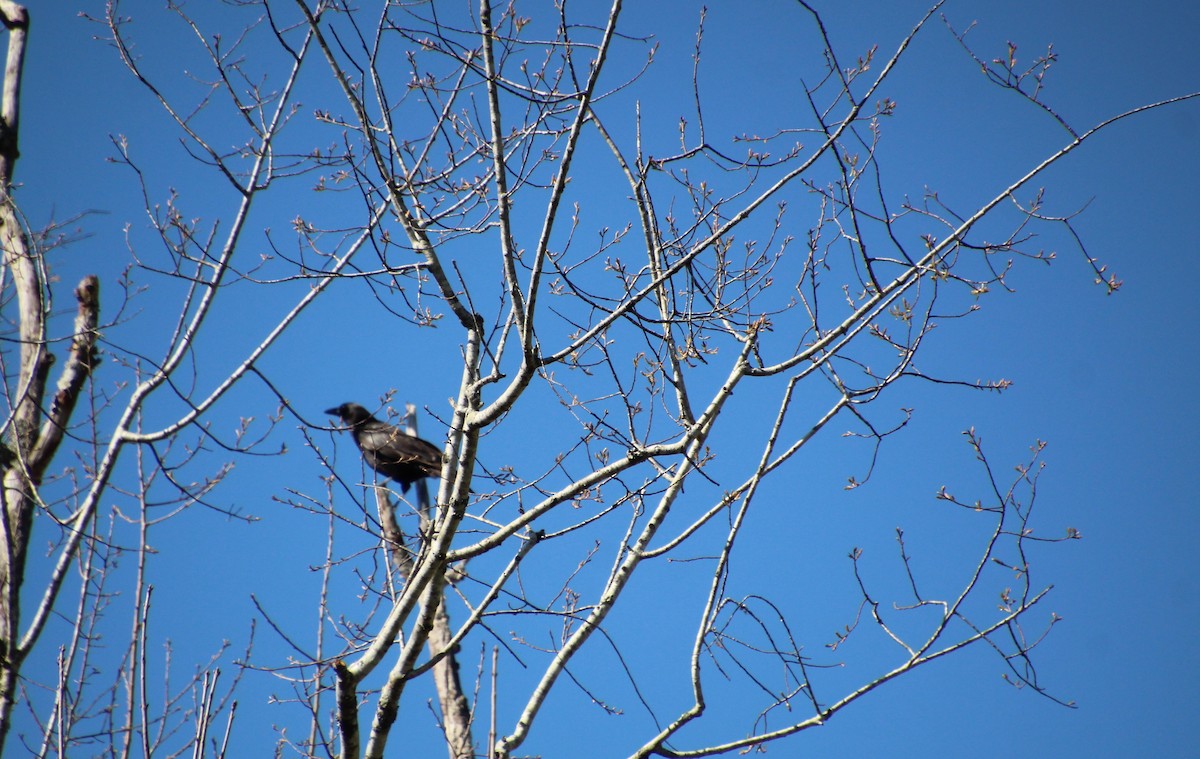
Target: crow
x=391 y=452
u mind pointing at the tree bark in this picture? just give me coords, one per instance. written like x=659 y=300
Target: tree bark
x=456 y=710
x=31 y=441
x=16 y=508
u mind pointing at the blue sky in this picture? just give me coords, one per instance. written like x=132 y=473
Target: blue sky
x=1105 y=380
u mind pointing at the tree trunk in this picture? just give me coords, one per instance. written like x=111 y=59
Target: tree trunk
x=32 y=441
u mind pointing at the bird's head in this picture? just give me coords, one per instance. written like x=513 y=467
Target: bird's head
x=350 y=413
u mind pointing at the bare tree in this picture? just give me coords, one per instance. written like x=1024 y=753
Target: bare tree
x=664 y=321
x=38 y=418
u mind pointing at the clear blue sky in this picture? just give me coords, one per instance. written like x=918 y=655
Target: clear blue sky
x=1107 y=381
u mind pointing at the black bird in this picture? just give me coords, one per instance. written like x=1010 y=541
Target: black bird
x=391 y=452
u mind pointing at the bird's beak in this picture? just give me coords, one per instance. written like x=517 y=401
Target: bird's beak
x=332 y=412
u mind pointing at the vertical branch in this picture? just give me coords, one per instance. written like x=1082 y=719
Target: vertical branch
x=456 y=710
x=81 y=361
x=492 y=710
x=393 y=537
x=347 y=710
x=22 y=469
x=16 y=21
x=500 y=171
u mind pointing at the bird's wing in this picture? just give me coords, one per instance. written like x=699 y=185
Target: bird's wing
x=391 y=446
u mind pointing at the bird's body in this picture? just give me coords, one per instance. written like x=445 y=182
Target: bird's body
x=388 y=450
